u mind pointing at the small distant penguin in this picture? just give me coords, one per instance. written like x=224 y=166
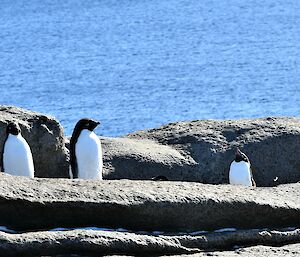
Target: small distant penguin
x=240 y=170
x=16 y=158
x=160 y=178
x=85 y=151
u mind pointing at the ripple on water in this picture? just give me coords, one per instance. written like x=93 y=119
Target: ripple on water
x=140 y=64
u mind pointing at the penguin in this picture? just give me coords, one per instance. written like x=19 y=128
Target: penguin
x=160 y=178
x=85 y=151
x=16 y=157
x=240 y=170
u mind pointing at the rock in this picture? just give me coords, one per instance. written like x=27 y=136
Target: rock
x=44 y=136
x=126 y=158
x=203 y=150
x=90 y=242
x=86 y=242
x=144 y=205
x=254 y=251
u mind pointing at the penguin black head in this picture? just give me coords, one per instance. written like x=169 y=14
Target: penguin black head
x=13 y=128
x=86 y=124
x=240 y=156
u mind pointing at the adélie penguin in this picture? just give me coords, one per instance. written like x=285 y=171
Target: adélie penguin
x=16 y=158
x=160 y=178
x=85 y=151
x=240 y=170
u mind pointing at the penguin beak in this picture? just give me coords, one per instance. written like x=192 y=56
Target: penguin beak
x=238 y=152
x=94 y=124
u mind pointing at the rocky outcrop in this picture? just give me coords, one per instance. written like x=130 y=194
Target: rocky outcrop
x=203 y=150
x=90 y=243
x=199 y=151
x=44 y=136
x=144 y=205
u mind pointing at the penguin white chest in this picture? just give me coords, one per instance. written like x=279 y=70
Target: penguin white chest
x=89 y=155
x=17 y=157
x=240 y=173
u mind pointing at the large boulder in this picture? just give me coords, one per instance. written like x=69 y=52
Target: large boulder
x=203 y=150
x=126 y=158
x=144 y=205
x=44 y=136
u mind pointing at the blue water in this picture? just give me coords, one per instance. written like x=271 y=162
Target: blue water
x=136 y=64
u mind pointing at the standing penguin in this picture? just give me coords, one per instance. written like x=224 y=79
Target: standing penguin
x=85 y=151
x=240 y=170
x=16 y=158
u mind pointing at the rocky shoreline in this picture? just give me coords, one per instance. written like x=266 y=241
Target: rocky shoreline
x=174 y=207
x=195 y=155
x=196 y=151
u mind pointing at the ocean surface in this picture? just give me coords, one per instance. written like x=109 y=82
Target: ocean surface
x=136 y=64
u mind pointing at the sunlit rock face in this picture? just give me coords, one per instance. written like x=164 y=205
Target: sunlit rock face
x=144 y=205
x=202 y=151
x=45 y=137
x=142 y=217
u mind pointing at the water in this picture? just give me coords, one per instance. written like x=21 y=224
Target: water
x=139 y=64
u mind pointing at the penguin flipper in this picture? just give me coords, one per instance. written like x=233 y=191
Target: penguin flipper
x=252 y=179
x=2 y=153
x=73 y=160
x=74 y=168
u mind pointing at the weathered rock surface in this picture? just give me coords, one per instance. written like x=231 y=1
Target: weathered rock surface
x=144 y=205
x=103 y=242
x=255 y=251
x=203 y=150
x=44 y=136
x=143 y=159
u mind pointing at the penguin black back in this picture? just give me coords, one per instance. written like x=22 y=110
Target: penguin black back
x=80 y=125
x=14 y=129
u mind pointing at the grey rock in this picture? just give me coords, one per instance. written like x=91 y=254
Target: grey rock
x=126 y=158
x=144 y=205
x=87 y=243
x=44 y=136
x=203 y=150
x=254 y=251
